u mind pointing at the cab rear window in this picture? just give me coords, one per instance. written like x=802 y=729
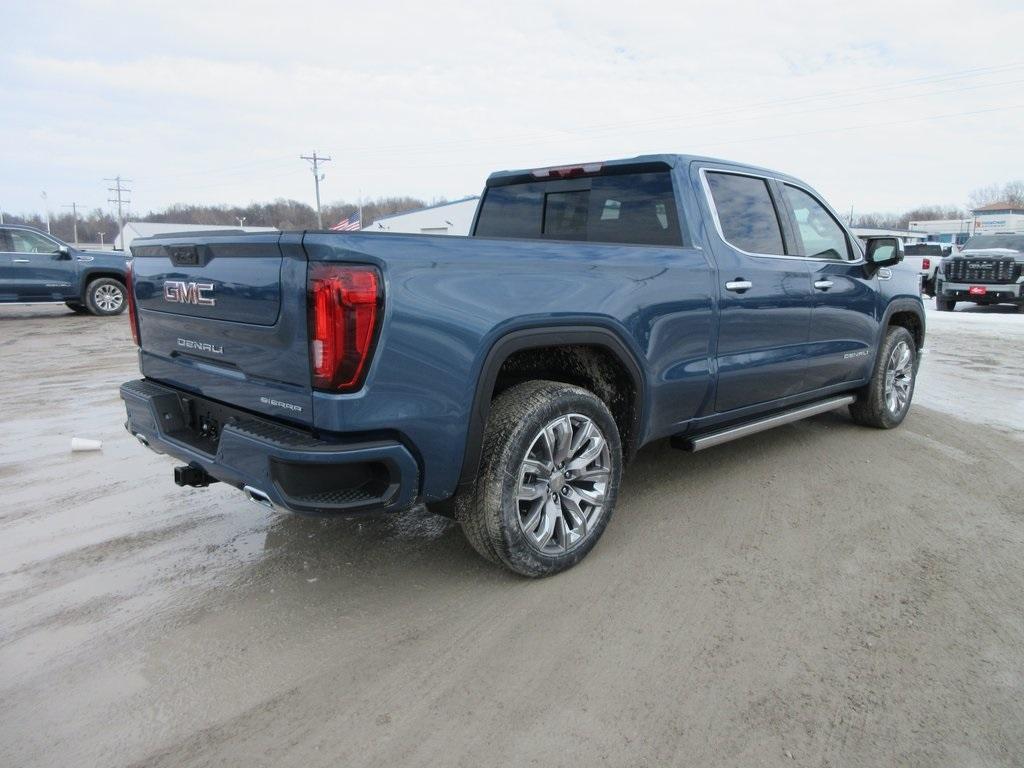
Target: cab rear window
x=634 y=208
x=922 y=249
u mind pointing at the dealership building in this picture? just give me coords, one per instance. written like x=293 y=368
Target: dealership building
x=993 y=219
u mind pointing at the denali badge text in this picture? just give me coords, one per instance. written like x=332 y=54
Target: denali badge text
x=201 y=346
x=179 y=292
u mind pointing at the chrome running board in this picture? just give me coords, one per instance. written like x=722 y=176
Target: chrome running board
x=709 y=439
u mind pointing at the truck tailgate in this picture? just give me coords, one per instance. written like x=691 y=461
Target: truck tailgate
x=225 y=317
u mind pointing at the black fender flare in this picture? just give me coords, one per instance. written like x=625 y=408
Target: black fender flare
x=86 y=276
x=904 y=304
x=532 y=338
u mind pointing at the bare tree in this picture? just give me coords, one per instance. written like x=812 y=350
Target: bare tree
x=1012 y=192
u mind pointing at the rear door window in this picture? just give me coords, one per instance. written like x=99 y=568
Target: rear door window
x=746 y=213
x=633 y=208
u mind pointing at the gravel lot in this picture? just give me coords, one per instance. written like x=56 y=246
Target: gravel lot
x=818 y=595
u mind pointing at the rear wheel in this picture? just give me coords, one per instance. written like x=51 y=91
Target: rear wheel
x=106 y=296
x=885 y=401
x=549 y=478
x=944 y=305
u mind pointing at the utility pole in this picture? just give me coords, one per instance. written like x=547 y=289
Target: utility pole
x=241 y=221
x=46 y=209
x=317 y=178
x=74 y=219
x=101 y=234
x=119 y=189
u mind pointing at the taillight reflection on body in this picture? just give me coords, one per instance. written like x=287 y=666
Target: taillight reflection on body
x=344 y=304
x=133 y=312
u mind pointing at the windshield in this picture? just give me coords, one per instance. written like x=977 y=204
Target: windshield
x=1013 y=242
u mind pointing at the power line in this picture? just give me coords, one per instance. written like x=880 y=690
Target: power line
x=119 y=189
x=745 y=116
x=742 y=108
x=925 y=118
x=317 y=178
x=461 y=144
x=877 y=125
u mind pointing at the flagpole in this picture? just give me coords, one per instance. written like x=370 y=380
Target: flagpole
x=360 y=209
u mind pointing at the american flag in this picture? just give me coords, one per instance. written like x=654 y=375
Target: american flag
x=350 y=224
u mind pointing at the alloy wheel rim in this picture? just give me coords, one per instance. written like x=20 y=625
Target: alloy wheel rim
x=563 y=483
x=899 y=376
x=108 y=298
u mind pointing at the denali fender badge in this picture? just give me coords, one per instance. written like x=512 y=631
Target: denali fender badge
x=178 y=292
x=201 y=346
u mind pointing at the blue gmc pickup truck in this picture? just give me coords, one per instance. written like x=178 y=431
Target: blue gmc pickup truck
x=37 y=267
x=506 y=378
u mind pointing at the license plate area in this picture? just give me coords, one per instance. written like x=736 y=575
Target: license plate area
x=202 y=423
x=977 y=290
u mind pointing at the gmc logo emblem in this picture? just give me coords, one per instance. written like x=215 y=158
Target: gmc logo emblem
x=178 y=292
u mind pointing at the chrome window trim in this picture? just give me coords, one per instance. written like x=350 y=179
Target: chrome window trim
x=705 y=170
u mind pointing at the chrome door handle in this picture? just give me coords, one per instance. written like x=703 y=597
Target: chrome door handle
x=22 y=261
x=739 y=285
x=823 y=285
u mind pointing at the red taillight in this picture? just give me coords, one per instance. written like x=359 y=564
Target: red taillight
x=926 y=263
x=133 y=313
x=344 y=303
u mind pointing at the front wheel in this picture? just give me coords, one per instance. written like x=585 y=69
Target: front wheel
x=549 y=478
x=885 y=401
x=106 y=297
x=944 y=305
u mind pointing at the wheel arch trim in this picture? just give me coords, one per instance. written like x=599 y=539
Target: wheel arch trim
x=899 y=305
x=98 y=273
x=532 y=338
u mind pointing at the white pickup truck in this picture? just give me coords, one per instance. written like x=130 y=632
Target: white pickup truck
x=925 y=257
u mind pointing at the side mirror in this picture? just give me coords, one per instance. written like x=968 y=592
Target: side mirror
x=884 y=251
x=63 y=252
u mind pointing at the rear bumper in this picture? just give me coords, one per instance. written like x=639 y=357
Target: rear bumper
x=274 y=463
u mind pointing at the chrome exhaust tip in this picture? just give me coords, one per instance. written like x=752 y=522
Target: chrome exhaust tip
x=256 y=496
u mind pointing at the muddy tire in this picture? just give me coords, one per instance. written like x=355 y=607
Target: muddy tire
x=106 y=297
x=884 y=403
x=549 y=478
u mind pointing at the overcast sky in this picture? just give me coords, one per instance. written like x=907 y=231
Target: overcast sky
x=878 y=106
